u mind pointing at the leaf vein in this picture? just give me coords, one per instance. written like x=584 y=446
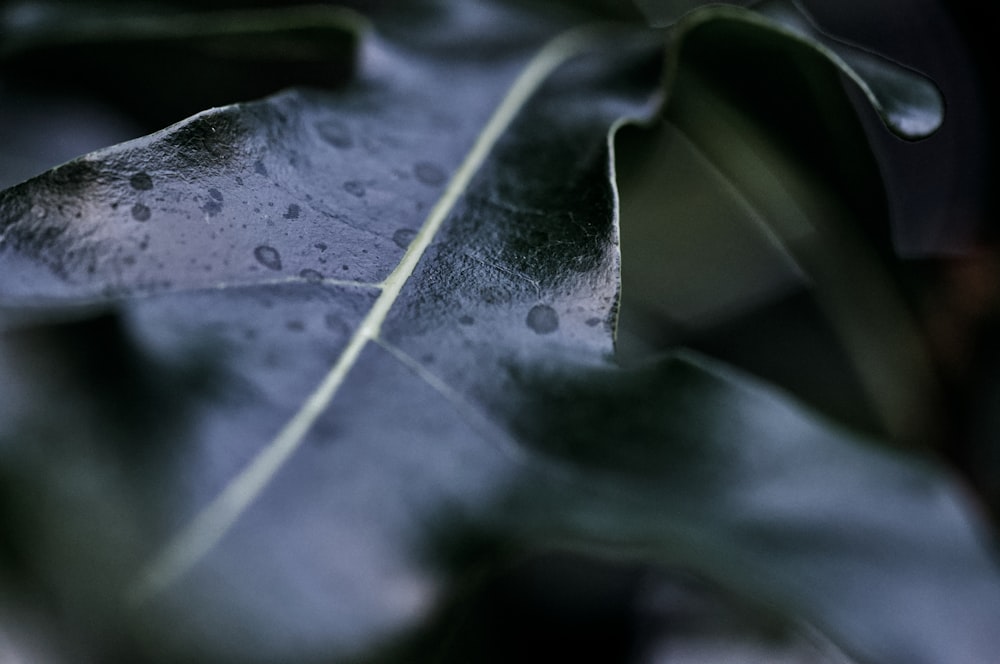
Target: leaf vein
x=205 y=531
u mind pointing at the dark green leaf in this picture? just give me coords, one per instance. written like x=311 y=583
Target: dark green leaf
x=263 y=368
x=164 y=67
x=712 y=472
x=909 y=104
x=761 y=148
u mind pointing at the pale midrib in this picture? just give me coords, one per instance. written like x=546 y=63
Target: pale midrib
x=215 y=520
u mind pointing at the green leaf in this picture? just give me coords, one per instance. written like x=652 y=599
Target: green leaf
x=263 y=368
x=909 y=104
x=713 y=472
x=160 y=68
x=760 y=165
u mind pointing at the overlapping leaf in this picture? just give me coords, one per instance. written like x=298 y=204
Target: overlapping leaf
x=288 y=342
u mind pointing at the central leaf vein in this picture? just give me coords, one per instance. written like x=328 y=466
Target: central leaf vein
x=214 y=521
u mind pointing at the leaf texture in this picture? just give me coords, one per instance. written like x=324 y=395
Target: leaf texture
x=291 y=342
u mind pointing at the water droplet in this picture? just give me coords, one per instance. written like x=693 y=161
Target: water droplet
x=215 y=193
x=543 y=319
x=259 y=168
x=403 y=237
x=140 y=212
x=295 y=325
x=336 y=133
x=239 y=181
x=292 y=212
x=312 y=276
x=354 y=188
x=428 y=173
x=466 y=320
x=593 y=322
x=38 y=211
x=321 y=246
x=268 y=257
x=141 y=181
x=212 y=208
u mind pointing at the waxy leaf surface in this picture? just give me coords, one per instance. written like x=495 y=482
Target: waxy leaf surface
x=256 y=362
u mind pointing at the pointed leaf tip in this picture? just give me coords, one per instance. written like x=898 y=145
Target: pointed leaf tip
x=909 y=104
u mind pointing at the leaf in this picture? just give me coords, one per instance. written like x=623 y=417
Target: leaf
x=807 y=516
x=910 y=105
x=259 y=239
x=77 y=79
x=163 y=67
x=260 y=366
x=761 y=147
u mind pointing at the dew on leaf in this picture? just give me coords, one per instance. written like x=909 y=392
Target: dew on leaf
x=292 y=212
x=321 y=246
x=215 y=193
x=312 y=276
x=403 y=237
x=141 y=181
x=335 y=133
x=428 y=173
x=140 y=212
x=295 y=325
x=466 y=320
x=38 y=211
x=354 y=188
x=259 y=168
x=593 y=322
x=268 y=257
x=542 y=319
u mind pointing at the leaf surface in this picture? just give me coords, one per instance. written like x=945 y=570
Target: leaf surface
x=290 y=341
